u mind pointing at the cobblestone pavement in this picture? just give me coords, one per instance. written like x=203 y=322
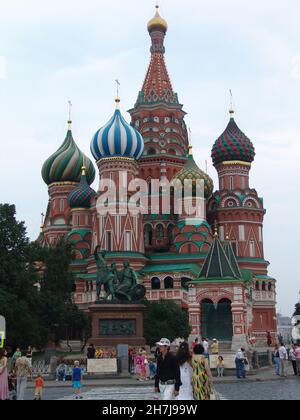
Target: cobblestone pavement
x=271 y=390
x=276 y=390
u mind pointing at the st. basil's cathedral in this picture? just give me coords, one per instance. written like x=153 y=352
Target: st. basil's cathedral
x=213 y=266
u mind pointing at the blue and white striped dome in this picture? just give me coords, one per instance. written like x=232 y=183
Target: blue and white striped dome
x=117 y=138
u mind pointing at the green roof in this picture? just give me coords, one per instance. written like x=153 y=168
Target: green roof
x=263 y=276
x=232 y=258
x=217 y=264
x=216 y=280
x=163 y=268
x=170 y=256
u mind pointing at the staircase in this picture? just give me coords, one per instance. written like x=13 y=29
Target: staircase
x=225 y=347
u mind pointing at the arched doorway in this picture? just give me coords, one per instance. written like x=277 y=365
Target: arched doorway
x=224 y=314
x=216 y=320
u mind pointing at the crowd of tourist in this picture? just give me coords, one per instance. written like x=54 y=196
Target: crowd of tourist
x=184 y=374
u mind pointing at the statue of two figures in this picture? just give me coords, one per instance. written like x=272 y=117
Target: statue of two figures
x=119 y=286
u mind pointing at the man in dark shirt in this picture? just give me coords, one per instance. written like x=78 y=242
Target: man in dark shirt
x=167 y=379
x=91 y=351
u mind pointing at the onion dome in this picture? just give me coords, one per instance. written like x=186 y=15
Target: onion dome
x=157 y=23
x=191 y=172
x=233 y=145
x=117 y=139
x=82 y=195
x=66 y=163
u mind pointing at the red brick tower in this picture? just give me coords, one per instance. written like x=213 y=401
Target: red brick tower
x=240 y=212
x=117 y=147
x=62 y=173
x=159 y=117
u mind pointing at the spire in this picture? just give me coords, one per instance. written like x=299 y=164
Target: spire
x=217 y=264
x=157 y=86
x=70 y=116
x=231 y=110
x=42 y=223
x=216 y=228
x=190 y=143
x=118 y=100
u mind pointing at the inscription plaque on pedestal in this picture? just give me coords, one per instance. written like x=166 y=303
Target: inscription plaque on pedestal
x=114 y=324
x=117 y=327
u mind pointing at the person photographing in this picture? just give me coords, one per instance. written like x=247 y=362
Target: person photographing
x=167 y=379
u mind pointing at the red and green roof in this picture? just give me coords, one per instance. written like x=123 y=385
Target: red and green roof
x=233 y=145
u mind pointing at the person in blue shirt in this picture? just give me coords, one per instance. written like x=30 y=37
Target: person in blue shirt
x=76 y=378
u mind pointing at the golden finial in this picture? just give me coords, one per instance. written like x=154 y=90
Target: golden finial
x=118 y=100
x=226 y=233
x=231 y=110
x=83 y=170
x=157 y=23
x=42 y=224
x=190 y=142
x=216 y=228
x=70 y=115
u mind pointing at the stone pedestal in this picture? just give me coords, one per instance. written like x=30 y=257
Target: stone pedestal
x=114 y=324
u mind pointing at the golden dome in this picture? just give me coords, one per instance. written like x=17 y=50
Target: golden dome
x=157 y=23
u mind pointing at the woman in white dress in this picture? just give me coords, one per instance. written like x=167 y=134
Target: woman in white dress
x=186 y=372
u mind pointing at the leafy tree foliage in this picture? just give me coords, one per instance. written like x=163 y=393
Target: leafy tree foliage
x=35 y=316
x=165 y=319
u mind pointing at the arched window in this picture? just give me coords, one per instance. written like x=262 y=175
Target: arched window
x=159 y=232
x=257 y=285
x=148 y=235
x=169 y=283
x=252 y=249
x=155 y=283
x=171 y=233
x=270 y=287
x=263 y=285
x=149 y=180
x=151 y=151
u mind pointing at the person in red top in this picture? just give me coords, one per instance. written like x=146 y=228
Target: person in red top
x=195 y=343
x=39 y=385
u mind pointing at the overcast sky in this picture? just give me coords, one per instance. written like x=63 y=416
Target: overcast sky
x=53 y=51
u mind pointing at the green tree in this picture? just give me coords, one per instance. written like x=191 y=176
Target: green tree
x=165 y=319
x=35 y=317
x=18 y=296
x=58 y=312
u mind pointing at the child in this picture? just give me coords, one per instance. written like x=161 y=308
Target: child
x=76 y=378
x=152 y=368
x=39 y=384
x=12 y=386
x=220 y=367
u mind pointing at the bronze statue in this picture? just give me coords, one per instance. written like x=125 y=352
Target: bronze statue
x=120 y=286
x=104 y=275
